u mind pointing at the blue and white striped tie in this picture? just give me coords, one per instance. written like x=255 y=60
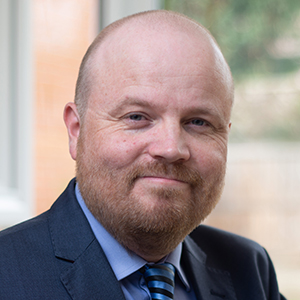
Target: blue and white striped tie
x=160 y=280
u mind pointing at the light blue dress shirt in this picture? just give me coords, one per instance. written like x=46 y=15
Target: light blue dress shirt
x=126 y=263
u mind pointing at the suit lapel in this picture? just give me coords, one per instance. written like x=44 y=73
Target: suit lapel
x=208 y=283
x=85 y=271
x=91 y=277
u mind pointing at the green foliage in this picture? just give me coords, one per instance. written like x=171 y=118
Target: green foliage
x=247 y=31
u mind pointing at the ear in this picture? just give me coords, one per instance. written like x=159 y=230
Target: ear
x=72 y=121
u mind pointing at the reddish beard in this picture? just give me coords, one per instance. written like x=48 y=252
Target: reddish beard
x=147 y=231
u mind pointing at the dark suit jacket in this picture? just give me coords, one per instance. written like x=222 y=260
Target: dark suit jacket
x=56 y=256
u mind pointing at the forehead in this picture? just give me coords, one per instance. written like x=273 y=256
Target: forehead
x=171 y=59
x=154 y=44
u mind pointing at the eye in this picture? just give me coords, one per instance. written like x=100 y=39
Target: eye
x=136 y=120
x=136 y=117
x=198 y=125
x=198 y=122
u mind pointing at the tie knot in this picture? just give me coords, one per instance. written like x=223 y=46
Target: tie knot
x=160 y=280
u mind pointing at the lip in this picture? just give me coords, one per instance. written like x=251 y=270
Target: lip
x=163 y=180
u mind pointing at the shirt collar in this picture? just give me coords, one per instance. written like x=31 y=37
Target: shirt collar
x=116 y=253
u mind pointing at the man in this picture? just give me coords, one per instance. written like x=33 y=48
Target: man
x=148 y=130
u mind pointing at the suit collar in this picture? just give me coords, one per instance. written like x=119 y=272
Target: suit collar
x=88 y=274
x=207 y=282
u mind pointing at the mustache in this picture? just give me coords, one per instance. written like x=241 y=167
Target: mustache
x=178 y=172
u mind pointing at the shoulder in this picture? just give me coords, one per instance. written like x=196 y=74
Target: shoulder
x=232 y=252
x=33 y=232
x=247 y=262
x=28 y=265
x=227 y=246
x=27 y=229
x=22 y=243
x=208 y=236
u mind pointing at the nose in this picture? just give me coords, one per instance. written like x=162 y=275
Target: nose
x=169 y=144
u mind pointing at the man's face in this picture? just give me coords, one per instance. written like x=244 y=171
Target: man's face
x=151 y=154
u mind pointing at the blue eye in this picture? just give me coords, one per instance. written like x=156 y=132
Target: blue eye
x=136 y=120
x=198 y=122
x=136 y=117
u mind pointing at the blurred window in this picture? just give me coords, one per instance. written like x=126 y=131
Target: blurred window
x=15 y=111
x=112 y=10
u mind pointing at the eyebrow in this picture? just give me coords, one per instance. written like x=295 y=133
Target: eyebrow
x=210 y=111
x=130 y=102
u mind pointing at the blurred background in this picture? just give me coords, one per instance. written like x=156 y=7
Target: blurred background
x=41 y=45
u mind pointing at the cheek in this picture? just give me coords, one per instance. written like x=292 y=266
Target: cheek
x=120 y=152
x=209 y=158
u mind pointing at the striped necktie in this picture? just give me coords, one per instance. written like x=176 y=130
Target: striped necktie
x=160 y=280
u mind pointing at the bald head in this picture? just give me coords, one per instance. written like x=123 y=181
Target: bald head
x=145 y=32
